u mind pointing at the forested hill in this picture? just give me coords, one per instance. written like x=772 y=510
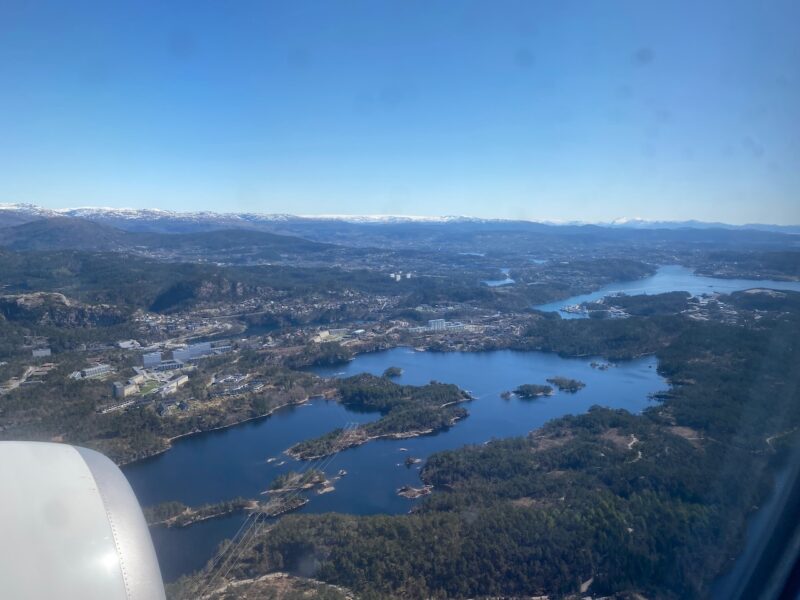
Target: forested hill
x=136 y=282
x=64 y=233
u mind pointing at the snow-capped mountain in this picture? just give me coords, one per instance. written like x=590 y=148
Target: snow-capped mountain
x=155 y=219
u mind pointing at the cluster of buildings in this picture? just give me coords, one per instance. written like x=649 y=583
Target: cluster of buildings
x=156 y=361
x=156 y=367
x=439 y=326
x=337 y=335
x=399 y=276
x=129 y=392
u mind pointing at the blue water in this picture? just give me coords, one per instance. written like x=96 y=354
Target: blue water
x=232 y=462
x=500 y=282
x=668 y=278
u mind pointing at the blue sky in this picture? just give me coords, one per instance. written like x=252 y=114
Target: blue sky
x=590 y=110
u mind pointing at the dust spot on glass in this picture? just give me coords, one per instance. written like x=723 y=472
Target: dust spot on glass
x=298 y=58
x=524 y=59
x=469 y=516
x=364 y=103
x=387 y=98
x=625 y=92
x=181 y=45
x=308 y=565
x=753 y=146
x=644 y=56
x=663 y=115
x=392 y=96
x=648 y=150
x=96 y=73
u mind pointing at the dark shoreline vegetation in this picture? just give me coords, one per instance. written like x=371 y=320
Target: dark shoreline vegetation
x=653 y=503
x=406 y=411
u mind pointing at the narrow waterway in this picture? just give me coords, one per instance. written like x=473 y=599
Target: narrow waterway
x=669 y=278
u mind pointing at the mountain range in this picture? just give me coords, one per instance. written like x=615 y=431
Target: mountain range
x=166 y=221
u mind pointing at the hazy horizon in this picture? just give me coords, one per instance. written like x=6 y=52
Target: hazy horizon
x=377 y=217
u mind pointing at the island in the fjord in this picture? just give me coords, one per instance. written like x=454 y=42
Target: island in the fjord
x=294 y=481
x=392 y=372
x=411 y=492
x=529 y=391
x=564 y=384
x=177 y=514
x=406 y=411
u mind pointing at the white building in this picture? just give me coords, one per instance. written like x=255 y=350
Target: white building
x=95 y=371
x=437 y=324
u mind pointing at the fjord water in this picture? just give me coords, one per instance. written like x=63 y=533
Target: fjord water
x=668 y=278
x=232 y=462
x=501 y=282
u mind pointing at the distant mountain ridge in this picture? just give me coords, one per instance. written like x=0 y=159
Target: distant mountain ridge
x=45 y=233
x=166 y=221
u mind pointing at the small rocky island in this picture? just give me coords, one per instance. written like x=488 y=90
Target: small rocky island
x=392 y=372
x=565 y=384
x=601 y=366
x=411 y=492
x=177 y=514
x=294 y=481
x=280 y=505
x=529 y=391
